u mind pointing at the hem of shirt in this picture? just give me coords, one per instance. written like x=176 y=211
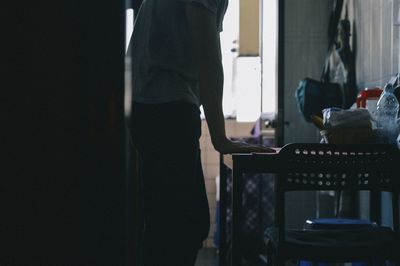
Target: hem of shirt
x=161 y=101
x=213 y=10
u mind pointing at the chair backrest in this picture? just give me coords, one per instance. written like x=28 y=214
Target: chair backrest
x=339 y=167
x=307 y=167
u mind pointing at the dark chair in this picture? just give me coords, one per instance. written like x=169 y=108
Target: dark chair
x=353 y=168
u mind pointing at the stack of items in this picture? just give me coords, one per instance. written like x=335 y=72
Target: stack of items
x=345 y=126
x=374 y=121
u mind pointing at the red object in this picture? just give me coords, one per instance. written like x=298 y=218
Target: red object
x=368 y=94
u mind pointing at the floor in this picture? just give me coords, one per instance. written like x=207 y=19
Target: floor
x=207 y=257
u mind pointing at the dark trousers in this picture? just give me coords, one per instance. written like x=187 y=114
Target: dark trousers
x=176 y=211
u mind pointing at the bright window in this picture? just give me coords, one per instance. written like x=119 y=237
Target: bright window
x=250 y=82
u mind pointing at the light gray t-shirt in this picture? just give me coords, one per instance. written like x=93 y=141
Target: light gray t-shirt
x=162 y=59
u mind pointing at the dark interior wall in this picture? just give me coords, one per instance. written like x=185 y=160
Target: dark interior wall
x=62 y=192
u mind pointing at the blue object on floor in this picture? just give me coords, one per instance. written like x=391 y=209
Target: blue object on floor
x=337 y=223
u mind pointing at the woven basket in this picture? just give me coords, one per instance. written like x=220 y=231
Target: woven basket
x=348 y=135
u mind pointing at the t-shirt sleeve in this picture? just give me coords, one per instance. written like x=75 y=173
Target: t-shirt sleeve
x=211 y=5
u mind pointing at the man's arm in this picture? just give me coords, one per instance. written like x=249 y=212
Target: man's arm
x=207 y=53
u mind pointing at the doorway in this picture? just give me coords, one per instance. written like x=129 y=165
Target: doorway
x=250 y=60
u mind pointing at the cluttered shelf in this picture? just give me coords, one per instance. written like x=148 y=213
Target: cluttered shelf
x=372 y=119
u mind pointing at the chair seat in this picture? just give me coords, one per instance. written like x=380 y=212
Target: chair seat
x=335 y=245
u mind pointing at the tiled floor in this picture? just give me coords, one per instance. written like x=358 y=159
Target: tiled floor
x=207 y=257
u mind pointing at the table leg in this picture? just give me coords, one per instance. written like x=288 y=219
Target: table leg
x=223 y=173
x=237 y=190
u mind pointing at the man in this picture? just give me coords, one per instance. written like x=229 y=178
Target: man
x=176 y=67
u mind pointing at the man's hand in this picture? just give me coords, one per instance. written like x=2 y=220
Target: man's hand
x=229 y=146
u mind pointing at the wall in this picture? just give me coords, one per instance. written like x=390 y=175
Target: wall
x=305 y=48
x=377 y=55
x=377 y=41
x=249 y=28
x=210 y=160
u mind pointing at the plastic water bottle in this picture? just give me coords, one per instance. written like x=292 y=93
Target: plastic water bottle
x=387 y=111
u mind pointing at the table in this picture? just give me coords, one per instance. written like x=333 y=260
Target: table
x=240 y=163
x=275 y=163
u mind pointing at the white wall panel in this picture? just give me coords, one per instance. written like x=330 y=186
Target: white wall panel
x=378 y=41
x=306 y=24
